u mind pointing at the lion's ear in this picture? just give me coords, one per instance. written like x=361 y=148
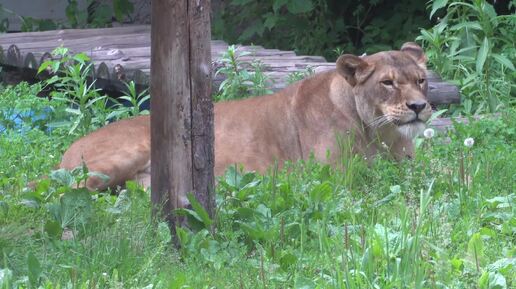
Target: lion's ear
x=354 y=69
x=416 y=52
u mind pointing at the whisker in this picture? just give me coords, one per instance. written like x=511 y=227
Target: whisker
x=381 y=121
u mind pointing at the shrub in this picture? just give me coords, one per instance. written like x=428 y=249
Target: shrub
x=474 y=47
x=316 y=27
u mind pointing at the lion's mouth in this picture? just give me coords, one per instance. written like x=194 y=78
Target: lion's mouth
x=410 y=122
x=411 y=128
x=415 y=120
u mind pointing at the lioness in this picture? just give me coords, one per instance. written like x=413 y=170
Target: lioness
x=380 y=99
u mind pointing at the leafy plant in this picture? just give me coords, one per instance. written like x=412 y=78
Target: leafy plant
x=299 y=75
x=96 y=15
x=4 y=18
x=316 y=27
x=132 y=102
x=240 y=82
x=21 y=108
x=475 y=47
x=86 y=107
x=99 y=13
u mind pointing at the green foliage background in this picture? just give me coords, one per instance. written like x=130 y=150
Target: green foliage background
x=317 y=27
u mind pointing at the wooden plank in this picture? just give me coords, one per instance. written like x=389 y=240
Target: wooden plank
x=441 y=92
x=128 y=49
x=444 y=124
x=73 y=33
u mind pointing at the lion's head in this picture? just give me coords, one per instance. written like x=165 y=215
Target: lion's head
x=390 y=88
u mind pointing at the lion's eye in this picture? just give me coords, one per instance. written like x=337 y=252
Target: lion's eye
x=387 y=82
x=421 y=81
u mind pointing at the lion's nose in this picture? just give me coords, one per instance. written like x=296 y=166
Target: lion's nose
x=416 y=106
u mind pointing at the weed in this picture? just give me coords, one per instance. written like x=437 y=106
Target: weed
x=239 y=82
x=299 y=75
x=474 y=46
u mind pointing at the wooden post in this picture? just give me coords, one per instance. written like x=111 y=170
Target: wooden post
x=182 y=154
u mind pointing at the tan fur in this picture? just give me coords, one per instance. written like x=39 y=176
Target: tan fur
x=301 y=119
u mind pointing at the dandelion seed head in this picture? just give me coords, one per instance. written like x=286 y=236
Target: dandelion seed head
x=429 y=133
x=469 y=142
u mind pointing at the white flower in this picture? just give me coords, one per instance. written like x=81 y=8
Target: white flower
x=469 y=142
x=429 y=133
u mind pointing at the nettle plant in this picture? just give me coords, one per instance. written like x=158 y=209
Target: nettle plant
x=71 y=83
x=475 y=47
x=242 y=79
x=86 y=106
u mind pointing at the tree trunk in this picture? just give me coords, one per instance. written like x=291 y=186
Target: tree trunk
x=182 y=155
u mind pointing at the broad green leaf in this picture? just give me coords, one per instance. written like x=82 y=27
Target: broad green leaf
x=495 y=201
x=194 y=220
x=76 y=208
x=6 y=276
x=122 y=203
x=436 y=115
x=53 y=229
x=483 y=51
x=74 y=111
x=467 y=24
x=436 y=5
x=278 y=4
x=304 y=283
x=270 y=21
x=44 y=65
x=253 y=231
x=300 y=6
x=183 y=236
x=396 y=189
x=122 y=8
x=81 y=57
x=233 y=177
x=385 y=199
x=488 y=9
x=503 y=61
x=63 y=177
x=55 y=66
x=34 y=269
x=255 y=28
x=241 y=2
x=321 y=192
x=102 y=14
x=198 y=208
x=492 y=280
x=476 y=247
x=287 y=260
x=60 y=51
x=457 y=265
x=101 y=176
x=502 y=265
x=164 y=232
x=4 y=207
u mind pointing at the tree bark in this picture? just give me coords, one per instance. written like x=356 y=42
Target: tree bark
x=203 y=158
x=182 y=154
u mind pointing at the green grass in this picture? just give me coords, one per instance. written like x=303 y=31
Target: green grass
x=444 y=220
